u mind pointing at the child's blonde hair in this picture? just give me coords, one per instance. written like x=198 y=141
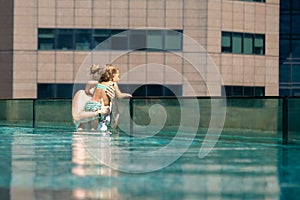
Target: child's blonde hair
x=108 y=73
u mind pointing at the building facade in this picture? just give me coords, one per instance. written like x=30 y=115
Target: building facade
x=45 y=43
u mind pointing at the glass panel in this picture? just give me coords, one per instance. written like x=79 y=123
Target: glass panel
x=295 y=24
x=248 y=44
x=16 y=112
x=286 y=5
x=237 y=90
x=284 y=49
x=296 y=72
x=119 y=40
x=226 y=42
x=259 y=44
x=65 y=39
x=284 y=73
x=296 y=49
x=155 y=40
x=285 y=24
x=173 y=40
x=46 y=39
x=284 y=92
x=100 y=37
x=82 y=39
x=137 y=39
x=228 y=90
x=248 y=91
x=54 y=110
x=259 y=91
x=236 y=43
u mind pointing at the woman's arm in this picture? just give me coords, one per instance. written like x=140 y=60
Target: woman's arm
x=78 y=113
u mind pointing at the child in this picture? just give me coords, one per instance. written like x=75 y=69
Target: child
x=109 y=77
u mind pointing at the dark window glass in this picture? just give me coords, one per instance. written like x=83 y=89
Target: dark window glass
x=65 y=39
x=236 y=43
x=296 y=72
x=173 y=40
x=245 y=43
x=158 y=90
x=119 y=40
x=52 y=91
x=155 y=40
x=226 y=42
x=259 y=91
x=236 y=91
x=285 y=73
x=295 y=24
x=285 y=5
x=46 y=39
x=83 y=39
x=284 y=49
x=285 y=24
x=248 y=44
x=296 y=92
x=248 y=91
x=259 y=44
x=137 y=39
x=105 y=39
x=284 y=92
x=296 y=48
x=100 y=37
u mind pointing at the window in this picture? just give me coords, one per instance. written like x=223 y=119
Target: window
x=83 y=39
x=64 y=39
x=243 y=43
x=46 y=39
x=52 y=91
x=173 y=40
x=110 y=39
x=236 y=91
x=226 y=42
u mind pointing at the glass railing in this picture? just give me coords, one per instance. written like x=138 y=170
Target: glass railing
x=274 y=114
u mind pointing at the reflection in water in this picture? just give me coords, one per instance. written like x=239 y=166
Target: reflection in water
x=93 y=149
x=59 y=164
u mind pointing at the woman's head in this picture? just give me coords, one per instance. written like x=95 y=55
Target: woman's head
x=95 y=71
x=110 y=73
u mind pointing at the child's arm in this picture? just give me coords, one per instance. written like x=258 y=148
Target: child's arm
x=89 y=86
x=120 y=94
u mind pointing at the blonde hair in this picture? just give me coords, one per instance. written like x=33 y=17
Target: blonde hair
x=108 y=73
x=94 y=68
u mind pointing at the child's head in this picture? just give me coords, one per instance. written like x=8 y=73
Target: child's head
x=111 y=73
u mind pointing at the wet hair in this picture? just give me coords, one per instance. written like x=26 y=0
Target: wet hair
x=108 y=73
x=94 y=68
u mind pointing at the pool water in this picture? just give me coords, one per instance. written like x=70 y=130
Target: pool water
x=62 y=164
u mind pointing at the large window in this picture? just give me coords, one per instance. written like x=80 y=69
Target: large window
x=239 y=91
x=115 y=39
x=65 y=90
x=243 y=43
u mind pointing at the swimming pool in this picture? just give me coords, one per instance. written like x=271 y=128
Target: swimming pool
x=62 y=164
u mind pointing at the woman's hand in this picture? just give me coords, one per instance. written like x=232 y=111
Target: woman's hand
x=104 y=110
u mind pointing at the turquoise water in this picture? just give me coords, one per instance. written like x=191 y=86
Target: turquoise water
x=61 y=164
